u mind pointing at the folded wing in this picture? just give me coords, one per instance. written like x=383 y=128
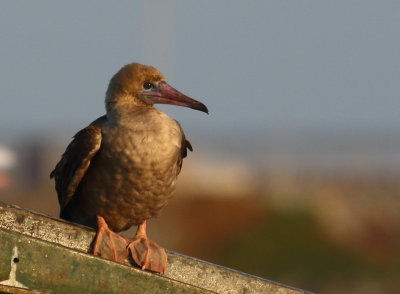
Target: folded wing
x=76 y=160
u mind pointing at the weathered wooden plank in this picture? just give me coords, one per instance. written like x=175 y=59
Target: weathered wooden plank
x=41 y=265
x=181 y=268
x=15 y=290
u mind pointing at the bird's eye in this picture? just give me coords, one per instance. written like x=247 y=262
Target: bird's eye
x=148 y=86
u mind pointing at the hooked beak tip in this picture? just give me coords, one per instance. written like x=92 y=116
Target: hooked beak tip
x=201 y=108
x=206 y=110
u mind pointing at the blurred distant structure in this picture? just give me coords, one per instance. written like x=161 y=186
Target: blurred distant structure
x=32 y=154
x=8 y=161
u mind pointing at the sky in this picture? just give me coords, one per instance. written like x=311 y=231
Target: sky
x=257 y=65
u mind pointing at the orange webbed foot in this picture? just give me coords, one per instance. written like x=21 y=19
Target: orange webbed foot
x=108 y=244
x=146 y=253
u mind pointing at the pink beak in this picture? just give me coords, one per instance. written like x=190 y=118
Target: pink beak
x=165 y=94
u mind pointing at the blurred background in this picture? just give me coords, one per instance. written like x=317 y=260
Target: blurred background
x=295 y=173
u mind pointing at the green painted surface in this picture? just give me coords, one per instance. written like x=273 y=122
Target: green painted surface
x=185 y=269
x=52 y=268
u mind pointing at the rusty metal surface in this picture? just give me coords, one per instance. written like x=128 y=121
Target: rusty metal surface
x=181 y=268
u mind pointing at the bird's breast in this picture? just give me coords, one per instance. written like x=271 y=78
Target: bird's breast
x=145 y=154
x=134 y=172
x=146 y=140
x=136 y=151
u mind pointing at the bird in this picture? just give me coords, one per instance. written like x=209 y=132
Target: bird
x=121 y=169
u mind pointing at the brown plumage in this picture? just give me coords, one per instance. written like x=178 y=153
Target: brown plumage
x=122 y=168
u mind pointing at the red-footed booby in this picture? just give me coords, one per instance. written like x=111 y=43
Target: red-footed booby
x=121 y=169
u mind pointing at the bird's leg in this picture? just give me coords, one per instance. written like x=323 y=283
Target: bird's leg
x=146 y=253
x=108 y=244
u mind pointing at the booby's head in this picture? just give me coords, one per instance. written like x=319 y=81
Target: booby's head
x=138 y=85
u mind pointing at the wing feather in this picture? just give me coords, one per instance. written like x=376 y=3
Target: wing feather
x=185 y=146
x=75 y=161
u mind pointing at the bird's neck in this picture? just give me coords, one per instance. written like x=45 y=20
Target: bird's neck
x=123 y=105
x=136 y=117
